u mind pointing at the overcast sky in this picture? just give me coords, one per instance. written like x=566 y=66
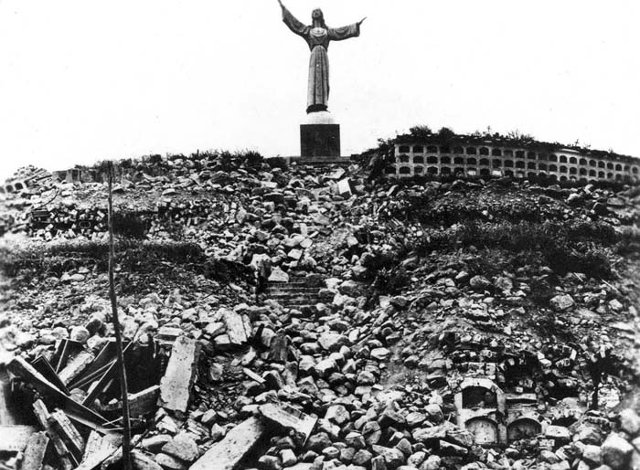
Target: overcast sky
x=85 y=80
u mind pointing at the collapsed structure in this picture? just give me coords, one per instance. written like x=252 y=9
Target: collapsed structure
x=432 y=325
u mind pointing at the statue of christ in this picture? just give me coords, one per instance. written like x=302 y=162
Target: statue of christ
x=318 y=36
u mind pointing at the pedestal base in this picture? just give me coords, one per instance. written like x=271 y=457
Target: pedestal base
x=320 y=140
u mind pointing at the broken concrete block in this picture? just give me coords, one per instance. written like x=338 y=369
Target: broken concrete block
x=168 y=334
x=175 y=386
x=15 y=438
x=141 y=462
x=96 y=450
x=182 y=447
x=278 y=275
x=34 y=452
x=235 y=327
x=226 y=454
x=143 y=402
x=343 y=188
x=68 y=433
x=289 y=418
x=75 y=367
x=66 y=458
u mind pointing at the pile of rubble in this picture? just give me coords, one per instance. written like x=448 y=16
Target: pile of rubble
x=362 y=353
x=308 y=392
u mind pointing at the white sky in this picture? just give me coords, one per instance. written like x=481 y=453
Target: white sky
x=85 y=80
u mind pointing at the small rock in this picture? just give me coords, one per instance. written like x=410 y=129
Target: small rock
x=79 y=334
x=362 y=458
x=592 y=455
x=355 y=440
x=217 y=432
x=378 y=463
x=288 y=458
x=562 y=302
x=337 y=414
x=381 y=354
x=269 y=462
x=559 y=433
x=630 y=422
x=480 y=283
x=393 y=457
x=318 y=442
x=182 y=447
x=616 y=452
x=433 y=462
x=156 y=443
x=169 y=463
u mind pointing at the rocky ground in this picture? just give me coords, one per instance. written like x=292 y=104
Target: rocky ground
x=461 y=324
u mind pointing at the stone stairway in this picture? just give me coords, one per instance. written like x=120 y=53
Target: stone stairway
x=299 y=293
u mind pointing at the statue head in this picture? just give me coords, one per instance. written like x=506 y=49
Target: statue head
x=318 y=18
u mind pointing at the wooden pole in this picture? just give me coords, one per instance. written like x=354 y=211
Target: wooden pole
x=126 y=438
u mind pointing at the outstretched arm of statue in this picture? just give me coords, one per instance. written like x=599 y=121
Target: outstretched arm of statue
x=346 y=32
x=292 y=22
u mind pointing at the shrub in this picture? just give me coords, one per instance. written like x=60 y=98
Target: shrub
x=391 y=281
x=129 y=225
x=155 y=159
x=278 y=162
x=253 y=159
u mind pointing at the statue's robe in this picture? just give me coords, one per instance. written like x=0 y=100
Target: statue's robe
x=318 y=40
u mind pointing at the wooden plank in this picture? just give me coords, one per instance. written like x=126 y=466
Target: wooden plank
x=235 y=327
x=87 y=379
x=42 y=365
x=61 y=354
x=26 y=372
x=227 y=454
x=15 y=438
x=64 y=350
x=289 y=418
x=104 y=380
x=103 y=358
x=175 y=386
x=34 y=452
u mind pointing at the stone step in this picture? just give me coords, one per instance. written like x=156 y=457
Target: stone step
x=292 y=290
x=298 y=295
x=287 y=284
x=293 y=295
x=291 y=303
x=284 y=300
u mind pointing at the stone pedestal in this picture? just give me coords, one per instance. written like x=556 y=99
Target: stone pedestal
x=320 y=136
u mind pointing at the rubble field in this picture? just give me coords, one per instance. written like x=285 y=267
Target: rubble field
x=314 y=318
